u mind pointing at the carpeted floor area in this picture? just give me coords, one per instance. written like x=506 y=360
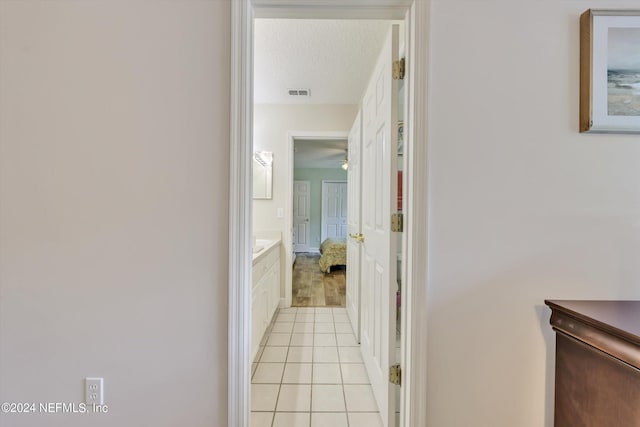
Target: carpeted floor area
x=313 y=288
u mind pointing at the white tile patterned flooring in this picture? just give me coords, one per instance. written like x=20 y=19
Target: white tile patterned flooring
x=309 y=373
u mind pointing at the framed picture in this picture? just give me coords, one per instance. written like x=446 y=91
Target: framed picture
x=610 y=71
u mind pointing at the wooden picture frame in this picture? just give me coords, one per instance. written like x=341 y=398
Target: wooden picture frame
x=610 y=71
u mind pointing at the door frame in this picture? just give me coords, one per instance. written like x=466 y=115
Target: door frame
x=354 y=275
x=415 y=268
x=322 y=203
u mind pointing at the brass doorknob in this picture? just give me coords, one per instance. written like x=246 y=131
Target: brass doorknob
x=358 y=236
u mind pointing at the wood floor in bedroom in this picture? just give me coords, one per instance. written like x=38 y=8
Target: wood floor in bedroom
x=313 y=288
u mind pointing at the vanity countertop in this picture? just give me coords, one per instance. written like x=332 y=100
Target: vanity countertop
x=266 y=245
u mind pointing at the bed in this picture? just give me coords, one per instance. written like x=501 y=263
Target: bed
x=334 y=252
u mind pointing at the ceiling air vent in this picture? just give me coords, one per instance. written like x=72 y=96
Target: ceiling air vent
x=299 y=92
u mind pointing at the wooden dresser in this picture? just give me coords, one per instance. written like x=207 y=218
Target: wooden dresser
x=597 y=363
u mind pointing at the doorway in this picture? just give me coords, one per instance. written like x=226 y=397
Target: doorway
x=360 y=55
x=317 y=161
x=415 y=182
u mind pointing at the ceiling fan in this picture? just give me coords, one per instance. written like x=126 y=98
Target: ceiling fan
x=345 y=163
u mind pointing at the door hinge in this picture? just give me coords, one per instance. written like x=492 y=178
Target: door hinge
x=397 y=222
x=395 y=374
x=398 y=69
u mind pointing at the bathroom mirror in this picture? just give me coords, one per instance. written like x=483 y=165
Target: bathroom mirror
x=262 y=175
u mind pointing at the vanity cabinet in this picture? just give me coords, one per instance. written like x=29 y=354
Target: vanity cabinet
x=265 y=296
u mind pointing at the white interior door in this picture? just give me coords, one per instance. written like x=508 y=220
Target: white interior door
x=301 y=215
x=353 y=226
x=379 y=188
x=334 y=210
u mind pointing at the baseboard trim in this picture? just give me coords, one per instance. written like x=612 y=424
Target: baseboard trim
x=309 y=251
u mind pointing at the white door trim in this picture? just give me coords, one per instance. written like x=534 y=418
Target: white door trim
x=323 y=217
x=240 y=215
x=413 y=402
x=414 y=274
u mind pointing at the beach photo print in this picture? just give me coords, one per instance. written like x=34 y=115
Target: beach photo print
x=610 y=71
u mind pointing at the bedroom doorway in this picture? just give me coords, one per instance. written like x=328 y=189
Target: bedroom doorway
x=317 y=161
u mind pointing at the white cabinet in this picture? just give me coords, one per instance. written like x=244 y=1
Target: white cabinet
x=265 y=295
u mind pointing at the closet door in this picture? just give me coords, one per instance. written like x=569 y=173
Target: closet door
x=301 y=215
x=334 y=210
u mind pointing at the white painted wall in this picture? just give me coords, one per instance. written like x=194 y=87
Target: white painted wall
x=522 y=206
x=271 y=127
x=114 y=125
x=272 y=123
x=113 y=162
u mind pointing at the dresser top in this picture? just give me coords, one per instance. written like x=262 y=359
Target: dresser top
x=619 y=318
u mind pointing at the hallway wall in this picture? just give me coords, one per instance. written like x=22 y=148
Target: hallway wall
x=114 y=171
x=522 y=206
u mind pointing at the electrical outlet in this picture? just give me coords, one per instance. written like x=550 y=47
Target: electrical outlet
x=94 y=391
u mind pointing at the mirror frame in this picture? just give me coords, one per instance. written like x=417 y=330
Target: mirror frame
x=264 y=159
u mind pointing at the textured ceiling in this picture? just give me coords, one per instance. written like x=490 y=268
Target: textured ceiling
x=328 y=154
x=332 y=58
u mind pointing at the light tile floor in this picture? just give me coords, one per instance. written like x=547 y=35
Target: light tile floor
x=309 y=373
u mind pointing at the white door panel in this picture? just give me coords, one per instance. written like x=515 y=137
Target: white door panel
x=379 y=188
x=301 y=215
